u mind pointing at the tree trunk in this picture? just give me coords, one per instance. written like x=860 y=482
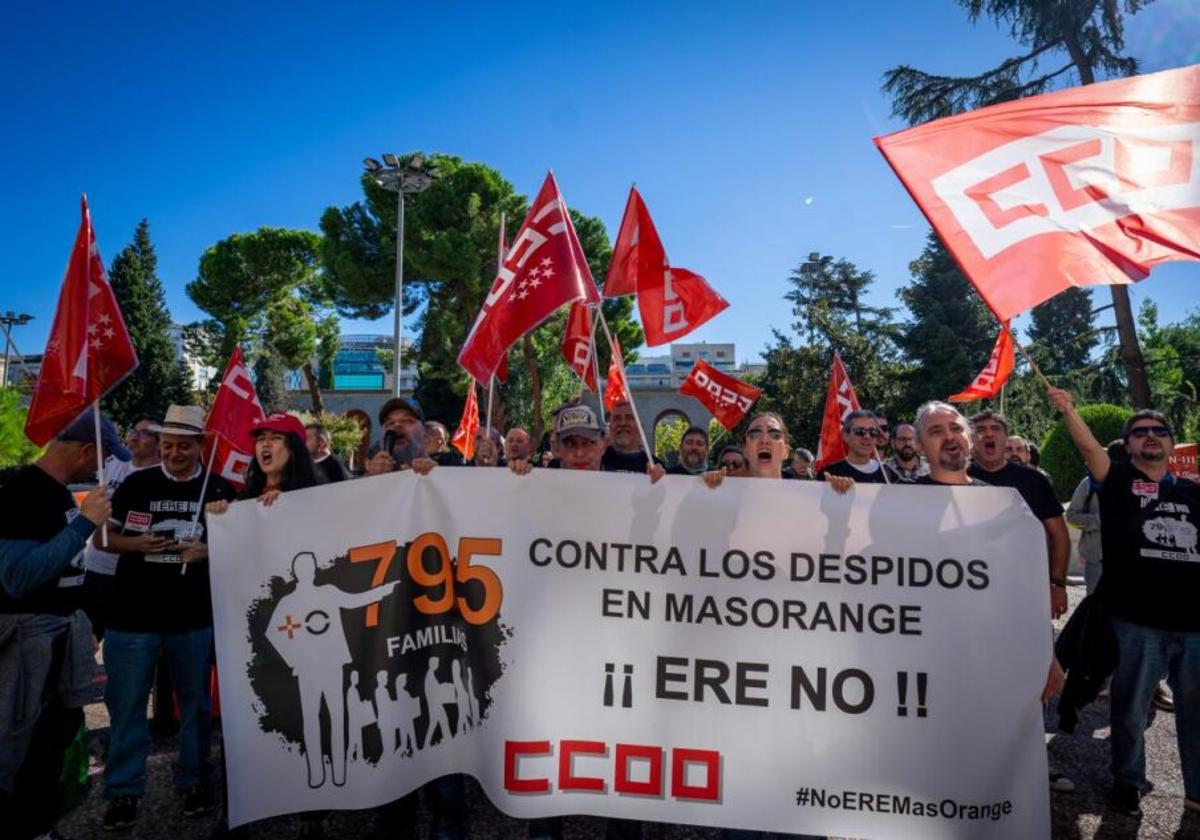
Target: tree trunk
x=314 y=389
x=1131 y=350
x=535 y=388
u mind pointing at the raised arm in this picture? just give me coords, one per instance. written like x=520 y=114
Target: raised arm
x=1093 y=452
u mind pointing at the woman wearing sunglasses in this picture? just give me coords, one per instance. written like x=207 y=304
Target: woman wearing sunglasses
x=766 y=451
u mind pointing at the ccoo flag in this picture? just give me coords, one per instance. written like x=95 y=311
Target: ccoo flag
x=995 y=373
x=728 y=398
x=839 y=401
x=468 y=426
x=227 y=431
x=1094 y=184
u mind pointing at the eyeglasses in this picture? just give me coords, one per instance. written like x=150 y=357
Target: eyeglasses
x=732 y=464
x=756 y=434
x=862 y=431
x=1157 y=431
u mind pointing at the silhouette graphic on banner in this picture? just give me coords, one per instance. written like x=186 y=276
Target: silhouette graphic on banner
x=348 y=691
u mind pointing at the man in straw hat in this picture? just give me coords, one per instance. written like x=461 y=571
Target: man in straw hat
x=161 y=599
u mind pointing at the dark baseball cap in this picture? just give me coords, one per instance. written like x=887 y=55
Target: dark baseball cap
x=83 y=430
x=577 y=421
x=396 y=403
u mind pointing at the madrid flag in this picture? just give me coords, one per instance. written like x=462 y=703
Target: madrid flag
x=577 y=345
x=671 y=301
x=468 y=426
x=88 y=351
x=1094 y=184
x=727 y=397
x=995 y=373
x=839 y=401
x=544 y=269
x=230 y=446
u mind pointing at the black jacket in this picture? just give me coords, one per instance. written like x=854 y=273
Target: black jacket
x=1087 y=650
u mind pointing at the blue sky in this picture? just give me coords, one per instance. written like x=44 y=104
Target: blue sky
x=746 y=126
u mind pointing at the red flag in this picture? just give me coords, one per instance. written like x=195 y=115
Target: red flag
x=544 y=269
x=672 y=301
x=229 y=446
x=1094 y=184
x=577 y=344
x=616 y=391
x=728 y=398
x=88 y=351
x=468 y=426
x=839 y=401
x=995 y=373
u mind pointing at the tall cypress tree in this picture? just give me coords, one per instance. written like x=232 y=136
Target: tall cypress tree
x=159 y=379
x=1063 y=331
x=951 y=332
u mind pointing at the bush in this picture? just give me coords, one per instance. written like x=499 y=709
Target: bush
x=15 y=448
x=1061 y=459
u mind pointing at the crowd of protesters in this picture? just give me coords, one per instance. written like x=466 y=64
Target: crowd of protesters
x=126 y=565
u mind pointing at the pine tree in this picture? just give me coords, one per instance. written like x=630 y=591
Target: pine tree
x=270 y=372
x=951 y=332
x=1063 y=332
x=159 y=379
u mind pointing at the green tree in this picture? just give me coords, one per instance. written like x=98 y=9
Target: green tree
x=827 y=318
x=1063 y=332
x=950 y=333
x=15 y=448
x=1173 y=360
x=450 y=233
x=270 y=378
x=264 y=291
x=1061 y=459
x=159 y=379
x=1084 y=36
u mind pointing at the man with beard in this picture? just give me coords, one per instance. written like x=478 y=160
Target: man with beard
x=859 y=430
x=693 y=453
x=402 y=443
x=1016 y=449
x=625 y=453
x=1148 y=531
x=906 y=461
x=990 y=465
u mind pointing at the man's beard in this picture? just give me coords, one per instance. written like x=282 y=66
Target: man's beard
x=907 y=453
x=953 y=461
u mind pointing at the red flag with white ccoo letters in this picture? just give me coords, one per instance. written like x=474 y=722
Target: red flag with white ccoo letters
x=839 y=401
x=727 y=397
x=229 y=446
x=1095 y=184
x=991 y=379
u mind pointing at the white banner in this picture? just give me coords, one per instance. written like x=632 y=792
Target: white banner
x=768 y=655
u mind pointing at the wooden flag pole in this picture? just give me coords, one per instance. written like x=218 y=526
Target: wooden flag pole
x=99 y=463
x=1032 y=364
x=628 y=391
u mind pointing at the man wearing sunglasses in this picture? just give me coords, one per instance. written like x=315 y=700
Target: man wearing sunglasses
x=859 y=430
x=1148 y=533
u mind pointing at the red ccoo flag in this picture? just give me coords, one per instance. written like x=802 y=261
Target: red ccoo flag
x=228 y=442
x=728 y=398
x=468 y=426
x=616 y=391
x=577 y=344
x=544 y=269
x=995 y=373
x=839 y=401
x=672 y=301
x=88 y=351
x=1094 y=184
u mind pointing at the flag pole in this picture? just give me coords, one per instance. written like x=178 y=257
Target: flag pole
x=200 y=504
x=1032 y=364
x=99 y=464
x=628 y=390
x=594 y=354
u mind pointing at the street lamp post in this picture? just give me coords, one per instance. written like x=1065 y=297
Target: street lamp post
x=9 y=320
x=401 y=177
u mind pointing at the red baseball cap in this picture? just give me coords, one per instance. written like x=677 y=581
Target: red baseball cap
x=280 y=422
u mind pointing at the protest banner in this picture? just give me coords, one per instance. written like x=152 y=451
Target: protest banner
x=767 y=655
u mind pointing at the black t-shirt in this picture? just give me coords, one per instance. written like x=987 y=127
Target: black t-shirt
x=1148 y=538
x=448 y=458
x=928 y=479
x=34 y=506
x=631 y=462
x=1034 y=487
x=151 y=594
x=680 y=469
x=847 y=469
x=330 y=469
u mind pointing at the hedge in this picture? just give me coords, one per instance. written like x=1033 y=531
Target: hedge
x=1061 y=459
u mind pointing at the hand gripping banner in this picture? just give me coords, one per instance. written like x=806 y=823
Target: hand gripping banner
x=767 y=655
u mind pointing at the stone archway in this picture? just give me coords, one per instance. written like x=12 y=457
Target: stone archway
x=668 y=415
x=359 y=456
